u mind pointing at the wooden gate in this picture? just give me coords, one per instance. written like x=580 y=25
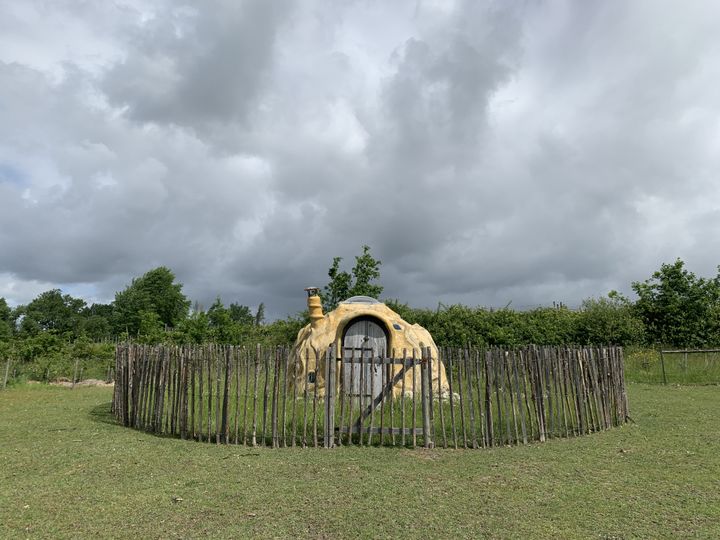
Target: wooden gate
x=370 y=412
x=363 y=340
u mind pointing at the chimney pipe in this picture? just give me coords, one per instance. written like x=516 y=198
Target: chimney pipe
x=314 y=306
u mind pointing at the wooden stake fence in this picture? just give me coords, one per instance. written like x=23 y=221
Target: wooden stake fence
x=262 y=397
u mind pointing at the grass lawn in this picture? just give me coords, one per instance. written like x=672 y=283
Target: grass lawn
x=67 y=470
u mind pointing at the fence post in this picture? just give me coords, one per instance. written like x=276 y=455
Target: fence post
x=7 y=371
x=424 y=376
x=75 y=372
x=274 y=401
x=662 y=363
x=330 y=368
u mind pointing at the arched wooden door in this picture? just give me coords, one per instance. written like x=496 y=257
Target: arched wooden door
x=365 y=339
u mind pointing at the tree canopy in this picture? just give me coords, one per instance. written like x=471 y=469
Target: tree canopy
x=241 y=314
x=52 y=311
x=5 y=310
x=153 y=292
x=360 y=282
x=678 y=308
x=674 y=307
x=5 y=320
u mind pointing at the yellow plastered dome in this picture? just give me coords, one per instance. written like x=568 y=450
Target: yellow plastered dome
x=360 y=324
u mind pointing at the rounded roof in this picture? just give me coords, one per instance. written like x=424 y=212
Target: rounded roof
x=360 y=300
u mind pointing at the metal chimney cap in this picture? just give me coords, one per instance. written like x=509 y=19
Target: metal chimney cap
x=312 y=291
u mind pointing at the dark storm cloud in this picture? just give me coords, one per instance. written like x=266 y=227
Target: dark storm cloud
x=489 y=152
x=195 y=65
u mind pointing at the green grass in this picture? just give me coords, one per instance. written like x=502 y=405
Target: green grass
x=67 y=470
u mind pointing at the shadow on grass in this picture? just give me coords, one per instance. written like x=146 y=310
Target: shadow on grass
x=101 y=413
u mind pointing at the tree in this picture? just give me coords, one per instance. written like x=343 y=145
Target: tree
x=260 y=314
x=194 y=329
x=241 y=314
x=338 y=288
x=284 y=331
x=678 y=308
x=5 y=321
x=96 y=322
x=610 y=320
x=96 y=327
x=5 y=310
x=343 y=285
x=54 y=312
x=151 y=329
x=157 y=292
x=5 y=331
x=220 y=322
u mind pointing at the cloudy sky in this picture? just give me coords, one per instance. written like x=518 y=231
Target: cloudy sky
x=523 y=152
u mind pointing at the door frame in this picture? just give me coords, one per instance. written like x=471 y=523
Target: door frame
x=370 y=318
x=361 y=351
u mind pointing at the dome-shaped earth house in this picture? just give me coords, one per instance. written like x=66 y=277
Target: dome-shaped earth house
x=361 y=327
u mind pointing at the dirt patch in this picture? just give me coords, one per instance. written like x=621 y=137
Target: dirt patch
x=87 y=382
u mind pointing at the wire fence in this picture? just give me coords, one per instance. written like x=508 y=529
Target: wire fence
x=61 y=372
x=673 y=366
